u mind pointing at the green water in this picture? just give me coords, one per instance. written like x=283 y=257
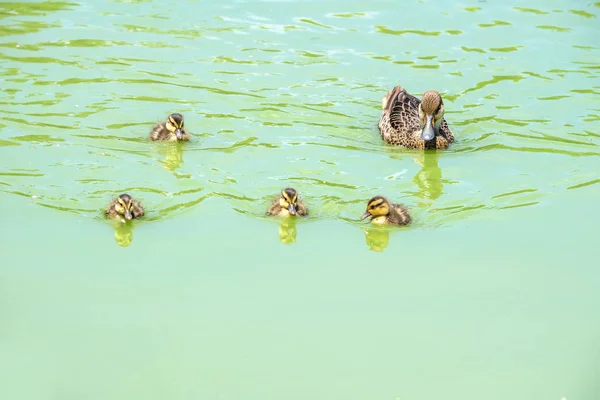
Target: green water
x=491 y=294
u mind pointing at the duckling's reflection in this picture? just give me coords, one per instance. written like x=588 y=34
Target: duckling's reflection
x=173 y=153
x=123 y=234
x=377 y=237
x=287 y=230
x=429 y=178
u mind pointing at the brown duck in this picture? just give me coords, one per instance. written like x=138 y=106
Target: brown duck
x=412 y=123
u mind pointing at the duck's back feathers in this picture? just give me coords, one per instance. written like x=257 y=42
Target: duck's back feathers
x=403 y=110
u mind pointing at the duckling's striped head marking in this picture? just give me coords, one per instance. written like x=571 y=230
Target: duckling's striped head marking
x=175 y=124
x=376 y=207
x=124 y=206
x=289 y=200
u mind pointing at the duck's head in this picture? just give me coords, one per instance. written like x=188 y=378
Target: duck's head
x=431 y=113
x=124 y=206
x=175 y=125
x=289 y=200
x=378 y=206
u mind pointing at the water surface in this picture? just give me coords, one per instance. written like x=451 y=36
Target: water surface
x=491 y=293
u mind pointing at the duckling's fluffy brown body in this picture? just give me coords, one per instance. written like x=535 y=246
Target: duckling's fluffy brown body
x=170 y=130
x=160 y=132
x=401 y=125
x=115 y=208
x=280 y=205
x=382 y=212
x=398 y=216
x=276 y=209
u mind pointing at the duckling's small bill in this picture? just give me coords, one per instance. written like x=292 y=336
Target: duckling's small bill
x=292 y=209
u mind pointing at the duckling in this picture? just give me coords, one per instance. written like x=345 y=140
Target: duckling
x=412 y=123
x=124 y=207
x=288 y=204
x=382 y=212
x=171 y=130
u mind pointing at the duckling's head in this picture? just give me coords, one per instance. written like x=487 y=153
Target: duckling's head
x=124 y=206
x=175 y=125
x=289 y=200
x=378 y=206
x=431 y=113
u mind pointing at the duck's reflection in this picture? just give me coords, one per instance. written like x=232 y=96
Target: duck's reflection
x=173 y=153
x=429 y=177
x=377 y=237
x=123 y=233
x=287 y=230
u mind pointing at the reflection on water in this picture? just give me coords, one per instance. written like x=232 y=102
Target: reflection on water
x=173 y=154
x=429 y=177
x=123 y=233
x=377 y=237
x=287 y=230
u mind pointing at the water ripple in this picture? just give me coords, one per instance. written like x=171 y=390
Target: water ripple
x=276 y=99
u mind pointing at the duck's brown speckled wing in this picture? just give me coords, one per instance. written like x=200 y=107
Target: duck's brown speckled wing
x=404 y=110
x=399 y=120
